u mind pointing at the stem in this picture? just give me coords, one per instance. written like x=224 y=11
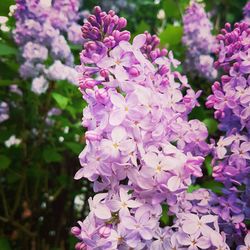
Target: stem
x=18 y=196
x=5 y=205
x=18 y=226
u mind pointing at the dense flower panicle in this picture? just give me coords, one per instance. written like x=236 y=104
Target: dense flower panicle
x=231 y=166
x=200 y=43
x=231 y=101
x=4 y=111
x=231 y=96
x=39 y=33
x=232 y=159
x=228 y=209
x=141 y=149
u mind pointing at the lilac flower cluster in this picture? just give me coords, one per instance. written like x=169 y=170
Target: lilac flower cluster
x=231 y=96
x=200 y=210
x=227 y=208
x=141 y=149
x=46 y=54
x=4 y=111
x=231 y=101
x=200 y=43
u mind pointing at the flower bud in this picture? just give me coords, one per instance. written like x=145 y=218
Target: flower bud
x=75 y=231
x=122 y=23
x=134 y=72
x=80 y=246
x=92 y=135
x=101 y=96
x=104 y=231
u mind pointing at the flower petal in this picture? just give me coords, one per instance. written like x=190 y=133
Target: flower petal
x=116 y=117
x=139 y=41
x=174 y=183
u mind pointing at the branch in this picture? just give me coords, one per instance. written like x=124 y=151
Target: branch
x=18 y=226
x=5 y=205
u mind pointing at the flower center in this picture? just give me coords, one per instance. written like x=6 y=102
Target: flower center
x=124 y=204
x=158 y=169
x=118 y=62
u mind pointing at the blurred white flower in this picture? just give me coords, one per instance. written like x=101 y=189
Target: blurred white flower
x=39 y=85
x=161 y=14
x=12 y=141
x=79 y=202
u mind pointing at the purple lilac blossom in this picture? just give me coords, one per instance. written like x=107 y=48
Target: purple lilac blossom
x=226 y=208
x=40 y=28
x=231 y=95
x=200 y=43
x=4 y=111
x=15 y=89
x=231 y=154
x=39 y=85
x=51 y=114
x=141 y=148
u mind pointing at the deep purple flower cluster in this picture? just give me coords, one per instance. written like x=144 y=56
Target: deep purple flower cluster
x=231 y=96
x=141 y=149
x=46 y=54
x=200 y=43
x=231 y=101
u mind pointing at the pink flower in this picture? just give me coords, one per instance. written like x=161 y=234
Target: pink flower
x=194 y=242
x=192 y=224
x=117 y=144
x=115 y=63
x=98 y=208
x=140 y=224
x=123 y=203
x=123 y=108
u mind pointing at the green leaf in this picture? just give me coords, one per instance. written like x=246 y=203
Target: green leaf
x=141 y=27
x=74 y=147
x=197 y=113
x=213 y=185
x=61 y=100
x=174 y=9
x=72 y=241
x=51 y=155
x=75 y=47
x=4 y=8
x=211 y=125
x=7 y=82
x=171 y=35
x=171 y=8
x=4 y=244
x=164 y=218
x=4 y=163
x=192 y=188
x=6 y=50
x=208 y=165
